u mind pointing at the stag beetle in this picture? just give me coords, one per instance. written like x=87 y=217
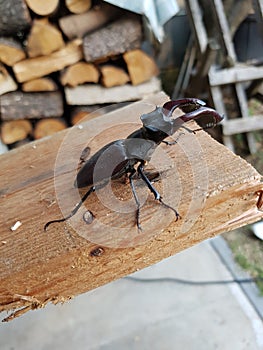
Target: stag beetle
x=126 y=153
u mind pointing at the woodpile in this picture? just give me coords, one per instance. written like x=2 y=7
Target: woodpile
x=60 y=61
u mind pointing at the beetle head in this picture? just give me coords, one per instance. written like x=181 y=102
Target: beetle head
x=158 y=121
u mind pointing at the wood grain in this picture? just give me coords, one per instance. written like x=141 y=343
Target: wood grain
x=214 y=191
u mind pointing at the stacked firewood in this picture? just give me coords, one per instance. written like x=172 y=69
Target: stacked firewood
x=59 y=60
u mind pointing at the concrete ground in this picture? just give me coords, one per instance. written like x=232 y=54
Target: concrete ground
x=128 y=314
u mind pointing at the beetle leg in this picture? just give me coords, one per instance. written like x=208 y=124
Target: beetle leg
x=189 y=130
x=156 y=194
x=171 y=143
x=74 y=211
x=210 y=126
x=133 y=171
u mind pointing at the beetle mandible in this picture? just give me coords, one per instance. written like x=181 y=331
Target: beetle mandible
x=157 y=125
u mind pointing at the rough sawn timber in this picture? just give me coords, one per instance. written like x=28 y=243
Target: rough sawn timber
x=37 y=267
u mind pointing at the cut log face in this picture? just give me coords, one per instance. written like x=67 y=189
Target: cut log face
x=15 y=130
x=14 y=17
x=113 y=76
x=118 y=37
x=37 y=67
x=141 y=67
x=11 y=51
x=19 y=105
x=43 y=8
x=80 y=73
x=40 y=84
x=78 y=113
x=44 y=38
x=47 y=127
x=7 y=83
x=78 y=6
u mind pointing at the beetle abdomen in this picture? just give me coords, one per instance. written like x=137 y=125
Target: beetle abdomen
x=114 y=160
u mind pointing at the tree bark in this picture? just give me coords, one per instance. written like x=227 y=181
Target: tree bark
x=14 y=17
x=118 y=37
x=19 y=105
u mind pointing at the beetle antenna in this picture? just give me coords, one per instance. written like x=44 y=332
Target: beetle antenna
x=74 y=211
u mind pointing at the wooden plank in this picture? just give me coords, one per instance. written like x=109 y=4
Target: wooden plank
x=90 y=94
x=223 y=30
x=198 y=176
x=241 y=125
x=258 y=7
x=217 y=97
x=228 y=45
x=242 y=99
x=235 y=75
x=195 y=13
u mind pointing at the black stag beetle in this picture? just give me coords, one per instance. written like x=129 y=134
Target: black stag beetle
x=120 y=157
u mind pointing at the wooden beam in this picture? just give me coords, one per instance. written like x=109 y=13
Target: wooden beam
x=90 y=94
x=235 y=75
x=240 y=125
x=213 y=190
x=195 y=14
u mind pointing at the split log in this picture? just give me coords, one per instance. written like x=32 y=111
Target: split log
x=40 y=66
x=76 y=26
x=7 y=83
x=43 y=8
x=78 y=6
x=11 y=51
x=79 y=73
x=19 y=105
x=118 y=37
x=141 y=67
x=37 y=267
x=95 y=94
x=14 y=17
x=113 y=76
x=47 y=127
x=85 y=113
x=40 y=84
x=44 y=38
x=15 y=130
x=80 y=113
